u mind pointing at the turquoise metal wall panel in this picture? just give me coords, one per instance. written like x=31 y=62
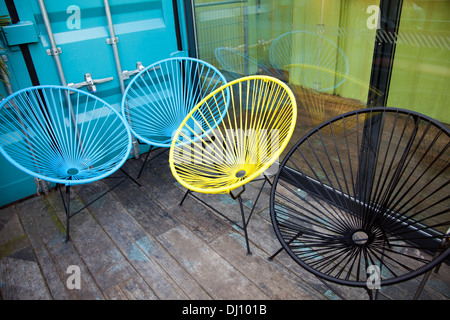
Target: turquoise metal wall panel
x=145 y=32
x=15 y=184
x=144 y=29
x=20 y=33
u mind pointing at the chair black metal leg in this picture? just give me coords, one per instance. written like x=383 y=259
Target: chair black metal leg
x=129 y=176
x=281 y=249
x=275 y=254
x=444 y=244
x=184 y=197
x=239 y=199
x=145 y=161
x=266 y=178
x=66 y=202
x=244 y=225
x=67 y=212
x=148 y=160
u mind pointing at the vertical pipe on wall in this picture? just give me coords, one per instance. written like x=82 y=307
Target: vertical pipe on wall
x=54 y=51
x=113 y=42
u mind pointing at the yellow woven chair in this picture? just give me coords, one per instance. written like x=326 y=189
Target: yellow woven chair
x=222 y=145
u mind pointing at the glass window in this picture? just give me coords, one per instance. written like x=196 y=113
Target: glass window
x=338 y=56
x=322 y=49
x=421 y=70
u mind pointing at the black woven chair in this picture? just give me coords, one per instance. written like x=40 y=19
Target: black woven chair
x=363 y=199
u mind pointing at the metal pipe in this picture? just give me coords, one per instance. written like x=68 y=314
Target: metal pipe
x=113 y=42
x=54 y=49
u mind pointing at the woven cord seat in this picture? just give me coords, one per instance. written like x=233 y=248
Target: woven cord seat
x=62 y=135
x=366 y=205
x=159 y=97
x=217 y=152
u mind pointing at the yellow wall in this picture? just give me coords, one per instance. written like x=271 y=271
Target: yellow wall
x=421 y=73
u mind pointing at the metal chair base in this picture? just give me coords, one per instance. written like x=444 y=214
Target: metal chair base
x=360 y=200
x=148 y=160
x=66 y=201
x=244 y=221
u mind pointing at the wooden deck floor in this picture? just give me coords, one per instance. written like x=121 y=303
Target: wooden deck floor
x=138 y=243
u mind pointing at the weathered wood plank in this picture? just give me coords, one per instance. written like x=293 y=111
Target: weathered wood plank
x=270 y=277
x=22 y=280
x=106 y=263
x=53 y=254
x=152 y=217
x=47 y=267
x=157 y=268
x=115 y=293
x=438 y=284
x=136 y=288
x=12 y=235
x=220 y=279
x=192 y=214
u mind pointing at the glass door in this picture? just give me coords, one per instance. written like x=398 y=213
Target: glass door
x=421 y=69
x=338 y=56
x=322 y=49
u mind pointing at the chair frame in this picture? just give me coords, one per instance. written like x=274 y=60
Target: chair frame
x=253 y=176
x=43 y=95
x=285 y=174
x=164 y=63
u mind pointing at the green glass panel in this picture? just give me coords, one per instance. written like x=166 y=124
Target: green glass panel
x=421 y=71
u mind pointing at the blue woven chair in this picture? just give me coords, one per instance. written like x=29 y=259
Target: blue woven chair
x=62 y=135
x=158 y=98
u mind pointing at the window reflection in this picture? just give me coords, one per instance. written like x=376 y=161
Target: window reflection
x=325 y=51
x=421 y=70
